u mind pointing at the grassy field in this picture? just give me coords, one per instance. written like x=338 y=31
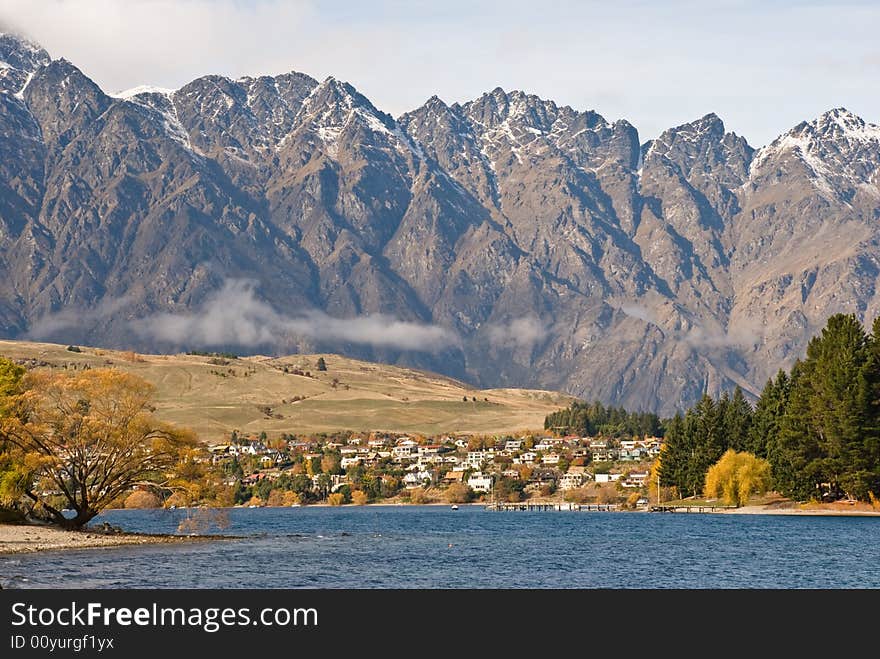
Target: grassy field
x=214 y=396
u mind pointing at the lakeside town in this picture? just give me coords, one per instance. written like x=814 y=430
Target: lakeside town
x=385 y=467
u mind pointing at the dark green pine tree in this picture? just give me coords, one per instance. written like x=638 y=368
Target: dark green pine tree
x=677 y=457
x=693 y=433
x=709 y=441
x=764 y=428
x=737 y=421
x=822 y=430
x=864 y=476
x=795 y=445
x=841 y=355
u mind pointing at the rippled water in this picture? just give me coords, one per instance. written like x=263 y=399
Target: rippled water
x=436 y=547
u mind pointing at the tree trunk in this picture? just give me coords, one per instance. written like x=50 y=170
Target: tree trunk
x=82 y=518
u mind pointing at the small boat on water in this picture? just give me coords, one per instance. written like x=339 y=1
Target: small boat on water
x=454 y=507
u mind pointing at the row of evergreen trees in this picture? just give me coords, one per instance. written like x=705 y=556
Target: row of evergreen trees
x=588 y=419
x=819 y=426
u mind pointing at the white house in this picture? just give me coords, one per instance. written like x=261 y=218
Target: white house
x=416 y=478
x=480 y=483
x=405 y=451
x=475 y=459
x=635 y=479
x=607 y=478
x=526 y=458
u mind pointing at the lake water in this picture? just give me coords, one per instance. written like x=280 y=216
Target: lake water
x=436 y=547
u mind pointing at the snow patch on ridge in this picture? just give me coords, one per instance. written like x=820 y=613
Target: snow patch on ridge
x=142 y=89
x=160 y=101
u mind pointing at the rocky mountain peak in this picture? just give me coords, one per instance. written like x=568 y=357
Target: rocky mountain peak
x=334 y=108
x=21 y=53
x=64 y=100
x=435 y=118
x=692 y=137
x=335 y=93
x=703 y=148
x=838 y=152
x=19 y=59
x=840 y=123
x=500 y=109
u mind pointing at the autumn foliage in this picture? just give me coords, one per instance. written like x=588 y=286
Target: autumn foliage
x=737 y=476
x=86 y=438
x=142 y=499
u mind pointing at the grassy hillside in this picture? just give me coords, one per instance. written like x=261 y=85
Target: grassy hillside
x=214 y=396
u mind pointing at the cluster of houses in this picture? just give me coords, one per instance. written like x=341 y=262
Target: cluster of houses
x=565 y=462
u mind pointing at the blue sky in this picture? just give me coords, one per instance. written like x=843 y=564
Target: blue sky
x=761 y=66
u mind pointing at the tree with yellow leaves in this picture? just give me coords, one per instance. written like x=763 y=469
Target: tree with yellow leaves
x=87 y=438
x=14 y=473
x=737 y=476
x=655 y=476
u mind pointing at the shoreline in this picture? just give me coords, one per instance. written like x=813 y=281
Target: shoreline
x=32 y=538
x=809 y=512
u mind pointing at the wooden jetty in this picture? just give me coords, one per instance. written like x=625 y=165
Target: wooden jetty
x=690 y=509
x=542 y=507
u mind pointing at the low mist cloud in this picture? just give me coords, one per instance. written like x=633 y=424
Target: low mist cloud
x=733 y=337
x=521 y=332
x=638 y=311
x=234 y=315
x=74 y=318
x=741 y=335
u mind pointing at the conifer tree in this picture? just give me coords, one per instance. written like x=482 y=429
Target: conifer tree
x=822 y=429
x=737 y=420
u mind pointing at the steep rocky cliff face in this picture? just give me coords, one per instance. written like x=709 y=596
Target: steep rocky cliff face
x=505 y=240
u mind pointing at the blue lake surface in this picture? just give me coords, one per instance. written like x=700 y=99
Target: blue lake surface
x=436 y=547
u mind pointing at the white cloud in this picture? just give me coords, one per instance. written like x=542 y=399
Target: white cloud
x=69 y=318
x=125 y=43
x=521 y=332
x=638 y=311
x=743 y=336
x=234 y=316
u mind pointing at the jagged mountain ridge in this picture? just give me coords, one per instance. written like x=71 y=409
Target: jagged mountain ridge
x=547 y=245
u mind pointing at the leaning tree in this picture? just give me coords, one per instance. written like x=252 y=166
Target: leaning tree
x=87 y=437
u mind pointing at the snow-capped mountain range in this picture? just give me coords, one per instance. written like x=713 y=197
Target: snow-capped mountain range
x=507 y=240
